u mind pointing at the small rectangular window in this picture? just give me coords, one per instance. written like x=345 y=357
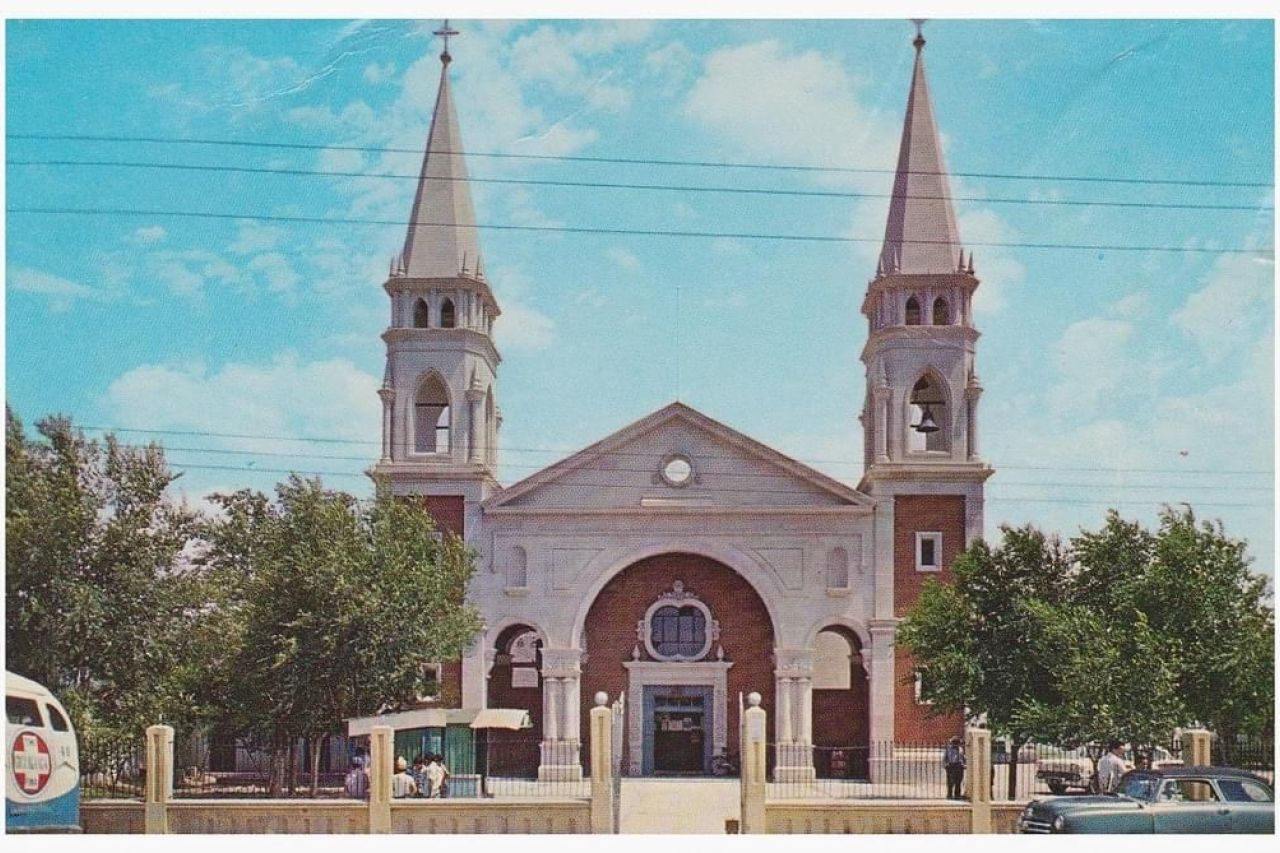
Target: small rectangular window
x=22 y=711
x=928 y=552
x=56 y=721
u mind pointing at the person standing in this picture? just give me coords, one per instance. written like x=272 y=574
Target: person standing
x=437 y=773
x=1111 y=768
x=419 y=774
x=953 y=761
x=356 y=785
x=402 y=784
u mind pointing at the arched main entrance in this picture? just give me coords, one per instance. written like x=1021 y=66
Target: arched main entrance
x=683 y=636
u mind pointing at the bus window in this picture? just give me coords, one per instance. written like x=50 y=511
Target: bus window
x=22 y=711
x=56 y=720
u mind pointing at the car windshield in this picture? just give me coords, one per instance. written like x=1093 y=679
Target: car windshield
x=1139 y=787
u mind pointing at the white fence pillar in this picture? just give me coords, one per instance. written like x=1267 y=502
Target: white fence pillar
x=159 y=765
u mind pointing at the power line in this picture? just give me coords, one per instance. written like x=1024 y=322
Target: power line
x=636 y=232
x=570 y=451
x=763 y=191
x=182 y=466
x=219 y=451
x=631 y=161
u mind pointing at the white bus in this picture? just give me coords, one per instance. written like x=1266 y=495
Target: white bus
x=42 y=779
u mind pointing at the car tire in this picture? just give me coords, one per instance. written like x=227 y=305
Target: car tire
x=1057 y=788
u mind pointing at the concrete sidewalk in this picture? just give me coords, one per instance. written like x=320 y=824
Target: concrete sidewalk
x=686 y=806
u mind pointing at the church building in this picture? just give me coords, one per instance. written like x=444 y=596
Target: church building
x=678 y=561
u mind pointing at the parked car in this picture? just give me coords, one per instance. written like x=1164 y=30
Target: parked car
x=1168 y=800
x=1075 y=770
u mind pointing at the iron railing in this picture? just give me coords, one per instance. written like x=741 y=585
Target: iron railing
x=247 y=767
x=865 y=771
x=1247 y=752
x=111 y=767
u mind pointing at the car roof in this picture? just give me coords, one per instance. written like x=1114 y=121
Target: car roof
x=1180 y=771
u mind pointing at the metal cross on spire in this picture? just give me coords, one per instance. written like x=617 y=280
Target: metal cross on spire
x=919 y=39
x=444 y=32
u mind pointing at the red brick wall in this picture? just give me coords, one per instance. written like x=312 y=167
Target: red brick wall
x=447 y=511
x=746 y=632
x=509 y=750
x=911 y=514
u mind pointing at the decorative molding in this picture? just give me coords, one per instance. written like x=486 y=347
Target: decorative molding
x=678 y=597
x=641 y=674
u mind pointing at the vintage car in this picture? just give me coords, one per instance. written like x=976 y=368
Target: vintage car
x=1076 y=769
x=1173 y=799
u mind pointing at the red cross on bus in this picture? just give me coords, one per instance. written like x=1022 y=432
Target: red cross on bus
x=31 y=762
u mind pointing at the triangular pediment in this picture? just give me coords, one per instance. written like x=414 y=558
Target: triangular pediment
x=629 y=469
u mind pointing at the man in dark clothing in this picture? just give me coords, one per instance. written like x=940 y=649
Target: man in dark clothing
x=953 y=761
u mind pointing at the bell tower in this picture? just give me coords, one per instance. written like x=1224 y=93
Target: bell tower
x=920 y=416
x=439 y=414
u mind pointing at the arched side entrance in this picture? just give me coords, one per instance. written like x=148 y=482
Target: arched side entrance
x=841 y=719
x=515 y=681
x=683 y=635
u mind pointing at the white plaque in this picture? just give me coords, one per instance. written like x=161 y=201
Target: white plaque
x=524 y=676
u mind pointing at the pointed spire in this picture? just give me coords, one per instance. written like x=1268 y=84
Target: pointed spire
x=921 y=235
x=442 y=227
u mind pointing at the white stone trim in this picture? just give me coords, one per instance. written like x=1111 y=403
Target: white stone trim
x=679 y=598
x=641 y=674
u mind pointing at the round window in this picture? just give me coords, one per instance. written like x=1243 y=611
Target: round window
x=677 y=471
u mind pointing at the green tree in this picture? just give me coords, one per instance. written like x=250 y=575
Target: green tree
x=973 y=641
x=1191 y=585
x=337 y=604
x=101 y=603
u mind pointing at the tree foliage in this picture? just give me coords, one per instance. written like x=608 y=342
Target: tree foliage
x=337 y=605
x=100 y=602
x=1125 y=634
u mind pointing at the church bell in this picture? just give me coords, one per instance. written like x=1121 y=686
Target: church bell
x=927 y=423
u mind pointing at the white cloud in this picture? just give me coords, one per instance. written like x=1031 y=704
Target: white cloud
x=1092 y=359
x=285 y=398
x=276 y=270
x=520 y=327
x=254 y=236
x=149 y=234
x=61 y=292
x=376 y=73
x=1234 y=303
x=795 y=108
x=623 y=259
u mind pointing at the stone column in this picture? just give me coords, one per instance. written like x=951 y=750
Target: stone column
x=881 y=414
x=602 y=766
x=977 y=778
x=388 y=397
x=561 y=738
x=1196 y=747
x=159 y=790
x=972 y=393
x=794 y=689
x=752 y=748
x=475 y=400
x=382 y=744
x=475 y=675
x=881 y=694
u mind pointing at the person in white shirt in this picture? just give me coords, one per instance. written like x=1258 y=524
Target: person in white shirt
x=402 y=784
x=1111 y=768
x=437 y=773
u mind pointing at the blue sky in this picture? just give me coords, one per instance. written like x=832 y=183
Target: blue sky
x=1112 y=377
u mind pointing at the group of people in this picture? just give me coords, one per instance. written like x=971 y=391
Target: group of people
x=429 y=778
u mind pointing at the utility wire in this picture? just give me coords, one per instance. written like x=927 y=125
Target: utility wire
x=633 y=161
x=763 y=191
x=182 y=466
x=219 y=451
x=637 y=232
x=570 y=451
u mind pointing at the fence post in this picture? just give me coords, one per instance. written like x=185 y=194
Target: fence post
x=159 y=790
x=602 y=766
x=1197 y=746
x=752 y=750
x=977 y=747
x=382 y=744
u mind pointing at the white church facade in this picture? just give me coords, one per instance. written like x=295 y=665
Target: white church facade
x=677 y=560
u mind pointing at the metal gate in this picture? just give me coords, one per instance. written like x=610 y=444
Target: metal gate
x=619 y=727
